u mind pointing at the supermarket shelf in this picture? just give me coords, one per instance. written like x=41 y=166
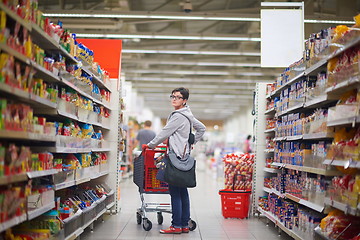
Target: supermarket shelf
x=289 y=138
x=14 y=91
x=269 y=150
x=342 y=206
x=42 y=173
x=271 y=170
x=319 y=64
x=69 y=84
x=294 y=138
x=75 y=234
x=14 y=16
x=344 y=121
x=16 y=54
x=4 y=180
x=100 y=149
x=82 y=180
x=275 y=220
x=319 y=171
x=76 y=215
x=37 y=212
x=345 y=47
x=270 y=130
x=26 y=136
x=28 y=97
x=317 y=102
x=316 y=66
x=68 y=55
x=276 y=192
x=348 y=163
x=279 y=139
x=270 y=111
x=45 y=74
x=303 y=202
x=266 y=189
x=291 y=81
x=43 y=39
x=315 y=136
x=74 y=117
x=60 y=186
x=278 y=164
x=340 y=88
x=109 y=206
x=294 y=108
x=87 y=68
x=12 y=222
x=43 y=101
x=68 y=115
x=100 y=174
x=321 y=234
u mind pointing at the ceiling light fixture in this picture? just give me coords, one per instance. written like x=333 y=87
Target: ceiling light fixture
x=177 y=37
x=181 y=17
x=152 y=16
x=186 y=72
x=187 y=52
x=190 y=63
x=193 y=80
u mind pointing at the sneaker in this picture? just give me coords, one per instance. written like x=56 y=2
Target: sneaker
x=185 y=230
x=171 y=230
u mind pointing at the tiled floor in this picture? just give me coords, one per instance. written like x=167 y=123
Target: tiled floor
x=205 y=210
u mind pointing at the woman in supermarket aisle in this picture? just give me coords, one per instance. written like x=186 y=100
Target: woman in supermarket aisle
x=177 y=132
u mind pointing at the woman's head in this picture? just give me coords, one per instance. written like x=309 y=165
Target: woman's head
x=179 y=97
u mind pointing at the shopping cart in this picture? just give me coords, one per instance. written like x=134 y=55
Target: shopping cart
x=145 y=178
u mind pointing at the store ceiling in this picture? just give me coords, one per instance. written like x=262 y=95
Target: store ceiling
x=221 y=74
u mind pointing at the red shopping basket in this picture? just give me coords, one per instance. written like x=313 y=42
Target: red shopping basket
x=235 y=204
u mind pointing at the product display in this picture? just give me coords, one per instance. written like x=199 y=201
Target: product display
x=238 y=171
x=337 y=225
x=316 y=139
x=54 y=110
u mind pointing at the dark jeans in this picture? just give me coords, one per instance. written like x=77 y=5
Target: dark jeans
x=180 y=206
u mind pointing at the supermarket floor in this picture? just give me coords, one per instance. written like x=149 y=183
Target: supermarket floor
x=205 y=210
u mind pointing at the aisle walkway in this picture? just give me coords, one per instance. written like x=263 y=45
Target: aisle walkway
x=205 y=210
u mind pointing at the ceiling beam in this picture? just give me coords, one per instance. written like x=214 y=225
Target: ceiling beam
x=162 y=5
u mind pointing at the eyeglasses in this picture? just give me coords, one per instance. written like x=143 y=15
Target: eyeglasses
x=175 y=97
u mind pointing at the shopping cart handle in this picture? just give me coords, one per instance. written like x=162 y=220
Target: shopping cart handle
x=144 y=147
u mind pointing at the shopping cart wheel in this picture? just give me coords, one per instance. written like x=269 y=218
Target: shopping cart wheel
x=192 y=225
x=138 y=218
x=147 y=224
x=160 y=218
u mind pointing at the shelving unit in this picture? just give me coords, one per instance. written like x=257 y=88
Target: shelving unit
x=49 y=142
x=277 y=222
x=329 y=98
x=343 y=207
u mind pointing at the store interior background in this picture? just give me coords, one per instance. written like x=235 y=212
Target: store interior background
x=221 y=74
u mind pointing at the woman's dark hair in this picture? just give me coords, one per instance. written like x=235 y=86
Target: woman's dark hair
x=184 y=92
x=248 y=137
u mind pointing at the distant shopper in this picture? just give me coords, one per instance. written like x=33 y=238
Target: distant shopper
x=247 y=145
x=145 y=135
x=177 y=130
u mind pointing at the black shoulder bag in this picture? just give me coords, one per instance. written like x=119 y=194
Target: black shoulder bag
x=179 y=172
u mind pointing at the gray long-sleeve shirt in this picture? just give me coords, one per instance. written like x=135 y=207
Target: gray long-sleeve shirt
x=177 y=129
